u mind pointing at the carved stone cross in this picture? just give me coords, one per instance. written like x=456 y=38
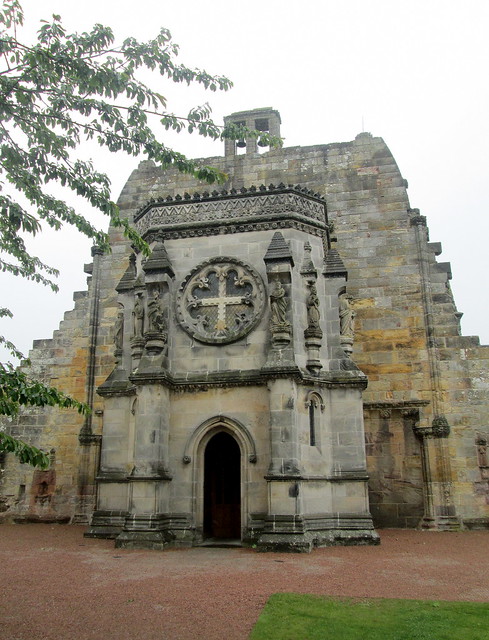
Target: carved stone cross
x=221 y=300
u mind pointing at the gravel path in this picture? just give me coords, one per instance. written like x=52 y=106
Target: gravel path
x=58 y=585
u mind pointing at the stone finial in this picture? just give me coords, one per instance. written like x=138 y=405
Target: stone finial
x=279 y=325
x=308 y=268
x=333 y=265
x=278 y=251
x=128 y=280
x=158 y=261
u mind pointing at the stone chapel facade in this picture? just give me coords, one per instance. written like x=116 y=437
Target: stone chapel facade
x=285 y=369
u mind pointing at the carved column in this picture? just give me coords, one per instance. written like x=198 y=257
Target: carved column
x=439 y=510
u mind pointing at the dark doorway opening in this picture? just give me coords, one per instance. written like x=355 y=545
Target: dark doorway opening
x=222 y=488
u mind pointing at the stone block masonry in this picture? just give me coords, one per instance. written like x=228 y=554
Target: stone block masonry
x=281 y=389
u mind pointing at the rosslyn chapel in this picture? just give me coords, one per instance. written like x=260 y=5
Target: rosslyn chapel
x=284 y=370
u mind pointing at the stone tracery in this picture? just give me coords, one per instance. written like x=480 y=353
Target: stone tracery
x=220 y=301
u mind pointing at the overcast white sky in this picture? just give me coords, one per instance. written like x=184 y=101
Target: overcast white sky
x=413 y=72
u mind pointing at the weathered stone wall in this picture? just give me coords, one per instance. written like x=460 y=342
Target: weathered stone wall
x=407 y=331
x=61 y=362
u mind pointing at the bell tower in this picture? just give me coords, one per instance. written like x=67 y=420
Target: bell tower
x=266 y=119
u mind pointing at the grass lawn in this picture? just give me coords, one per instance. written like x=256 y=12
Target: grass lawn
x=291 y=616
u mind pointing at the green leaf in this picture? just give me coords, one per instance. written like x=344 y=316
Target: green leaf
x=26 y=453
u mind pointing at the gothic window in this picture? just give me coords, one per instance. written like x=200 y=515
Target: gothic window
x=312 y=424
x=315 y=406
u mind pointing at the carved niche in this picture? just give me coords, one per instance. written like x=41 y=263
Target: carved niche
x=220 y=301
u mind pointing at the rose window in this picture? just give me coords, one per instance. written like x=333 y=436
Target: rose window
x=221 y=301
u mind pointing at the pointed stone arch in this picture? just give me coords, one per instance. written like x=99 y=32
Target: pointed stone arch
x=315 y=406
x=202 y=434
x=194 y=455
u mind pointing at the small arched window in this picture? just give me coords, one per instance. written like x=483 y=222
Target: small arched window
x=314 y=405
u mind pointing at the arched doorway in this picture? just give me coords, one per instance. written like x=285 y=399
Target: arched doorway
x=222 y=487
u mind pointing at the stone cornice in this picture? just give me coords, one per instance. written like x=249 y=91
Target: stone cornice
x=396 y=404
x=224 y=209
x=349 y=476
x=255 y=377
x=201 y=229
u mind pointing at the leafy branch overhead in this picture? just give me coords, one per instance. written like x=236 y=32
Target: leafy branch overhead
x=17 y=390
x=69 y=88
x=26 y=453
x=54 y=95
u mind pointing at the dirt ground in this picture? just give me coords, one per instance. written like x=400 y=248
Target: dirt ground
x=57 y=584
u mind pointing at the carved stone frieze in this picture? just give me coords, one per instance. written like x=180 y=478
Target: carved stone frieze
x=197 y=229
x=265 y=205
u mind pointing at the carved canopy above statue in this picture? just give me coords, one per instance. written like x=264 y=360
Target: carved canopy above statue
x=220 y=301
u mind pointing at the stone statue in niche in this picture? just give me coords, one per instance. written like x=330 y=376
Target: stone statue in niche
x=155 y=313
x=138 y=316
x=280 y=328
x=482 y=452
x=347 y=317
x=278 y=304
x=313 y=333
x=119 y=330
x=482 y=457
x=312 y=304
